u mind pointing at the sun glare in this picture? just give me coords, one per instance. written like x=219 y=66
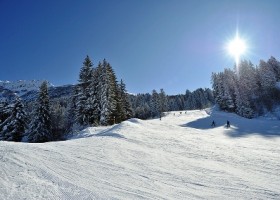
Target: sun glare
x=236 y=48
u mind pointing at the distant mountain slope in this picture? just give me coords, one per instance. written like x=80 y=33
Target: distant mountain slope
x=28 y=90
x=22 y=86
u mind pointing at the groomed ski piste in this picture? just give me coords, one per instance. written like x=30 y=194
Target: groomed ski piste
x=178 y=157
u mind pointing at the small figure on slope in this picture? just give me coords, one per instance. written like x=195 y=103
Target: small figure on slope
x=228 y=124
x=213 y=124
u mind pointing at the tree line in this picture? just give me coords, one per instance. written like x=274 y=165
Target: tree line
x=248 y=90
x=153 y=105
x=98 y=99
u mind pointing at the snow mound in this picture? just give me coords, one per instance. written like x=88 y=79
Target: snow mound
x=134 y=120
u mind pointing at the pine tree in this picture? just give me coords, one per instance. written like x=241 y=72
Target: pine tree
x=155 y=104
x=108 y=100
x=93 y=100
x=267 y=76
x=218 y=89
x=163 y=102
x=243 y=105
x=275 y=65
x=121 y=114
x=125 y=105
x=58 y=116
x=40 y=130
x=83 y=93
x=4 y=111
x=13 y=128
x=267 y=79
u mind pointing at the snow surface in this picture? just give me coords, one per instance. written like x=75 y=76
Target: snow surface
x=178 y=157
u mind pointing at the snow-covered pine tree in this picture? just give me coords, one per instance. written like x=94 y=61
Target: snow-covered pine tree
x=267 y=81
x=172 y=103
x=218 y=89
x=209 y=96
x=275 y=65
x=141 y=105
x=143 y=111
x=243 y=105
x=124 y=102
x=93 y=100
x=4 y=111
x=13 y=128
x=59 y=121
x=267 y=76
x=246 y=89
x=121 y=115
x=199 y=98
x=83 y=92
x=229 y=83
x=108 y=100
x=163 y=102
x=247 y=77
x=186 y=97
x=40 y=129
x=155 y=104
x=180 y=100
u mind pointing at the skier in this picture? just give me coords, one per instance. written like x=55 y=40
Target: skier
x=228 y=124
x=213 y=124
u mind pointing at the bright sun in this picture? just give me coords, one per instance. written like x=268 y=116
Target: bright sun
x=236 y=48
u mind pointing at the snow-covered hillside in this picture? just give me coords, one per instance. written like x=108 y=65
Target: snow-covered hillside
x=22 y=86
x=10 y=89
x=178 y=157
x=28 y=90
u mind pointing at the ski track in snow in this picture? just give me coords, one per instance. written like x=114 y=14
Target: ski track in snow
x=178 y=157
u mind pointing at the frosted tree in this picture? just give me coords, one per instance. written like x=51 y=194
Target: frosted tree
x=201 y=101
x=172 y=104
x=229 y=82
x=267 y=76
x=247 y=78
x=143 y=111
x=209 y=96
x=218 y=89
x=108 y=99
x=275 y=65
x=59 y=119
x=124 y=110
x=163 y=101
x=155 y=107
x=243 y=105
x=4 y=111
x=246 y=90
x=186 y=97
x=126 y=100
x=93 y=100
x=40 y=129
x=83 y=92
x=13 y=128
x=267 y=79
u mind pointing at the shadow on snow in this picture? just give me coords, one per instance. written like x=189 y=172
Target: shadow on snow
x=240 y=127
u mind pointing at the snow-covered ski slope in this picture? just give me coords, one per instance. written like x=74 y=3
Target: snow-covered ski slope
x=178 y=157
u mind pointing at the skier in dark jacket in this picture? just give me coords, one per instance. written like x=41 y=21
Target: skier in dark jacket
x=228 y=124
x=213 y=124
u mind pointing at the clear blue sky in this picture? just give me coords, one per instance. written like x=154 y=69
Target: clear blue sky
x=151 y=44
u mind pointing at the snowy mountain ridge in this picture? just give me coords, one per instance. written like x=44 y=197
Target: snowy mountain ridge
x=22 y=86
x=28 y=90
